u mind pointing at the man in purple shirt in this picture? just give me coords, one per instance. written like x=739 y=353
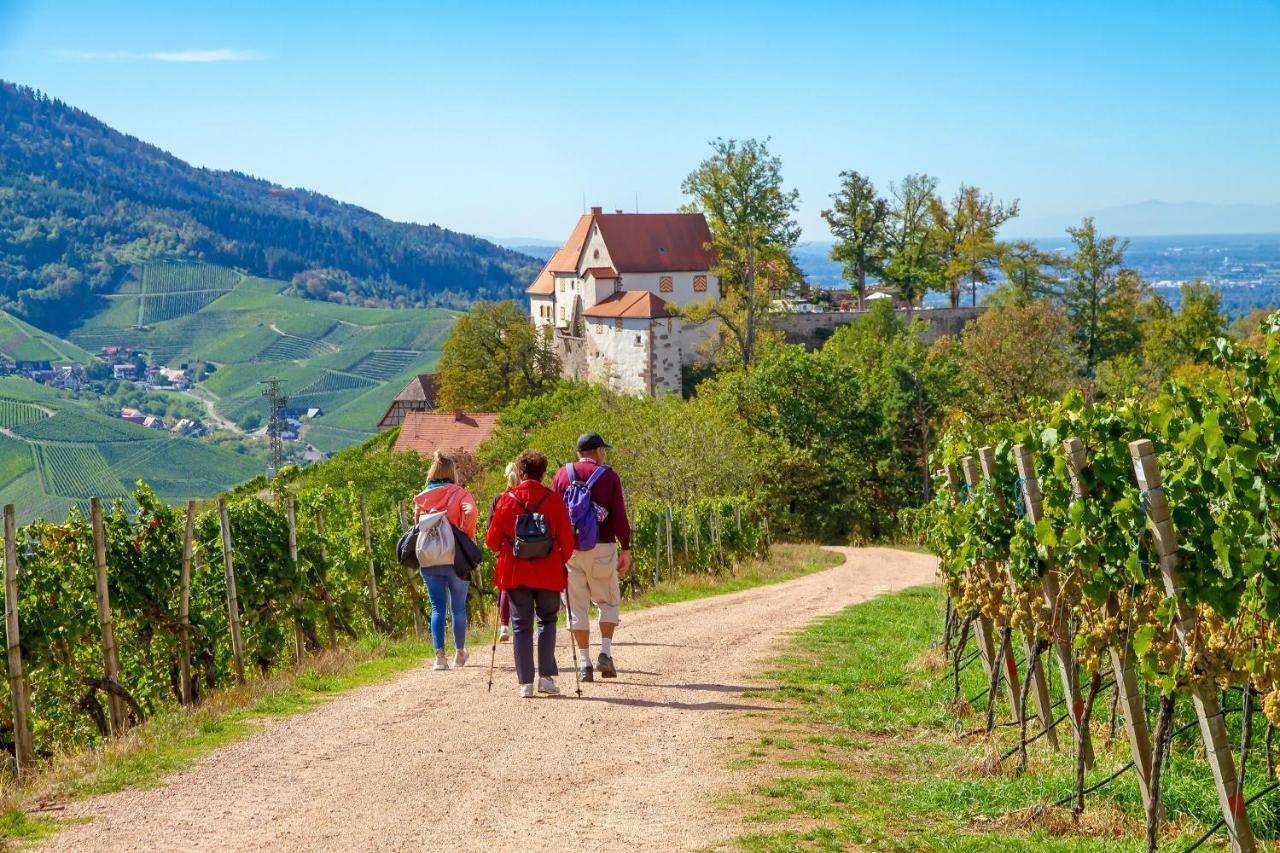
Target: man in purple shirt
x=594 y=573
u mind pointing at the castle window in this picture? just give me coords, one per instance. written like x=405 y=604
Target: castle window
x=637 y=340
x=562 y=285
x=700 y=284
x=599 y=328
x=562 y=312
x=595 y=254
x=617 y=325
x=665 y=284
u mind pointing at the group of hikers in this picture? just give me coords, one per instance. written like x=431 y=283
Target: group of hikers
x=569 y=541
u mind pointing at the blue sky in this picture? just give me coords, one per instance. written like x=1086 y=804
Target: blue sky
x=497 y=118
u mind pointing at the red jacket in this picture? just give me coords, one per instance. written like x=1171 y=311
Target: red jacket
x=548 y=572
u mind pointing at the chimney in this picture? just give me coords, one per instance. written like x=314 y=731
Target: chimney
x=596 y=211
x=618 y=210
x=459 y=415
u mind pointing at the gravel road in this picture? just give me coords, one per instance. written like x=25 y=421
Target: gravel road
x=431 y=761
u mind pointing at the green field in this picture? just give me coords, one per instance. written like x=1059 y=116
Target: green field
x=21 y=341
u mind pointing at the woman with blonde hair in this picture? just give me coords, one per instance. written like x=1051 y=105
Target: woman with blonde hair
x=445 y=589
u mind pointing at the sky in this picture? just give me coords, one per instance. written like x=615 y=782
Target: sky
x=501 y=118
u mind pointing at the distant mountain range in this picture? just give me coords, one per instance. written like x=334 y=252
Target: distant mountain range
x=1159 y=219
x=81 y=204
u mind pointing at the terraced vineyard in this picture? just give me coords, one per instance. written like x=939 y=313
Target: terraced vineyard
x=14 y=413
x=381 y=365
x=177 y=276
x=291 y=348
x=156 y=308
x=332 y=380
x=76 y=471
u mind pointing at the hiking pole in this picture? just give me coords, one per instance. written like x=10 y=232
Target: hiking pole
x=573 y=643
x=493 y=653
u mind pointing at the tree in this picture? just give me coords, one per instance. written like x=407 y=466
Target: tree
x=914 y=264
x=1029 y=274
x=494 y=356
x=739 y=189
x=1100 y=302
x=966 y=237
x=1013 y=355
x=909 y=383
x=858 y=218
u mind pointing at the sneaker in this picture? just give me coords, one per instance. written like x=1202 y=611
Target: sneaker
x=548 y=686
x=441 y=661
x=460 y=659
x=504 y=636
x=604 y=663
x=526 y=691
x=585 y=672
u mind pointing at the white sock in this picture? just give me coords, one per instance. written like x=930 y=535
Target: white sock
x=584 y=657
x=606 y=645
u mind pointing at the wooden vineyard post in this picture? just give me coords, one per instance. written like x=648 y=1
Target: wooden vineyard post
x=987 y=648
x=1031 y=498
x=299 y=638
x=117 y=712
x=1130 y=695
x=184 y=607
x=373 y=575
x=233 y=601
x=671 y=552
x=1213 y=727
x=24 y=751
x=1035 y=669
x=415 y=601
x=331 y=621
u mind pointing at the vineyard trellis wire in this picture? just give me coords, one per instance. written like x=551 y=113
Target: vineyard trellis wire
x=1145 y=549
x=115 y=615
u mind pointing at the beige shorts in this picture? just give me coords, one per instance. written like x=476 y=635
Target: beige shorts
x=593 y=579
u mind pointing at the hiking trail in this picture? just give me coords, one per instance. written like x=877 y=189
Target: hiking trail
x=430 y=760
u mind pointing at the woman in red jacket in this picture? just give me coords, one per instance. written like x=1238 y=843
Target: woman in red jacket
x=533 y=586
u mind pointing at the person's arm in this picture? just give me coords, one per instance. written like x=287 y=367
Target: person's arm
x=559 y=482
x=470 y=514
x=493 y=536
x=565 y=539
x=621 y=525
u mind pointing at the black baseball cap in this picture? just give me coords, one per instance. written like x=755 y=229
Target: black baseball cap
x=590 y=441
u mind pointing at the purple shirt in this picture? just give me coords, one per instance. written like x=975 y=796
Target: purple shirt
x=608 y=493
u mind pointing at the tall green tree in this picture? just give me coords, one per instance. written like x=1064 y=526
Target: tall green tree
x=739 y=188
x=914 y=265
x=966 y=241
x=1029 y=274
x=859 y=219
x=493 y=357
x=1100 y=302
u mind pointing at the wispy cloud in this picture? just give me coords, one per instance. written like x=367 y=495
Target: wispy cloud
x=206 y=56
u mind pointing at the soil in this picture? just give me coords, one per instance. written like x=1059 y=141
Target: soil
x=432 y=761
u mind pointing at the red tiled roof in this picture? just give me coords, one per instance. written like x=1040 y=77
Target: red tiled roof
x=427 y=432
x=657 y=242
x=566 y=257
x=631 y=304
x=544 y=284
x=602 y=272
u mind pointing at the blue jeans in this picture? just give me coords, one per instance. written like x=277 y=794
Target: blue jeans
x=447 y=591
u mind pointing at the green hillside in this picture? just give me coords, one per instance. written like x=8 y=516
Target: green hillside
x=348 y=361
x=21 y=341
x=56 y=452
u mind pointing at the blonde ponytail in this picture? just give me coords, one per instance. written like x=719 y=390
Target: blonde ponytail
x=442 y=468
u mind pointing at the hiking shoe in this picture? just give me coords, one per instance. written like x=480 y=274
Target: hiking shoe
x=586 y=673
x=604 y=663
x=441 y=661
x=526 y=691
x=504 y=636
x=548 y=686
x=460 y=659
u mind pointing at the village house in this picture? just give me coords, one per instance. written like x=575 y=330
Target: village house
x=604 y=298
x=418 y=396
x=458 y=433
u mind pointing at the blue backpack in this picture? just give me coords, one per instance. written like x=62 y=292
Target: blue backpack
x=583 y=511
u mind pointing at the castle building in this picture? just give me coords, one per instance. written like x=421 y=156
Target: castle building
x=605 y=296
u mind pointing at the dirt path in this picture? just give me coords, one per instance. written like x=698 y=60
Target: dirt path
x=430 y=761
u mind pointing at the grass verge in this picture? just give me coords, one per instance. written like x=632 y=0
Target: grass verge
x=868 y=756
x=787 y=561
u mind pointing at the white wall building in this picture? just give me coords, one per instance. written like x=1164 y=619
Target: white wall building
x=605 y=295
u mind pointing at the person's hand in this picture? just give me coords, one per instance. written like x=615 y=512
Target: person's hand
x=624 y=563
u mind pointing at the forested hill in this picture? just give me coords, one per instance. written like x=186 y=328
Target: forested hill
x=81 y=202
